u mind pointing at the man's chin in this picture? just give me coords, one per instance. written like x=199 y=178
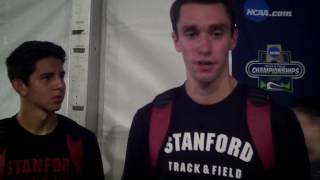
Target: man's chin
x=206 y=79
x=54 y=108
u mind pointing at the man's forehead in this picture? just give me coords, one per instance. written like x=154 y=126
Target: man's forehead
x=209 y=26
x=218 y=8
x=48 y=64
x=204 y=14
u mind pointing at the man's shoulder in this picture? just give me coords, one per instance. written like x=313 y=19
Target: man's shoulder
x=160 y=99
x=5 y=127
x=4 y=123
x=67 y=121
x=261 y=97
x=7 y=119
x=73 y=127
x=143 y=114
x=257 y=95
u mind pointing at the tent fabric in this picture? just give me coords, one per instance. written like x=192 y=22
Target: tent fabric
x=140 y=61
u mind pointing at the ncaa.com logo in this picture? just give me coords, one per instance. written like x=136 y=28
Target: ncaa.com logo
x=259 y=10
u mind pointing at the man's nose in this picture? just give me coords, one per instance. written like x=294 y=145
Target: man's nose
x=60 y=84
x=205 y=44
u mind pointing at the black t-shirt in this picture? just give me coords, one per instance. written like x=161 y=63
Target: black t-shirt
x=209 y=141
x=213 y=142
x=39 y=157
x=315 y=169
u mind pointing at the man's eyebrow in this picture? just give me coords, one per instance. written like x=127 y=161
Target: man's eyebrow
x=46 y=73
x=221 y=26
x=192 y=27
x=189 y=27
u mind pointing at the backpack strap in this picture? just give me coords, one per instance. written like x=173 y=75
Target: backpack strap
x=258 y=117
x=2 y=162
x=75 y=144
x=159 y=124
x=3 y=132
x=75 y=147
x=259 y=123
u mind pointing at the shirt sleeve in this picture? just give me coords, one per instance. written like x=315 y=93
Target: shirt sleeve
x=137 y=164
x=291 y=155
x=93 y=168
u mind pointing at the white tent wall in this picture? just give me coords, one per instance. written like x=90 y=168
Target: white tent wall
x=140 y=62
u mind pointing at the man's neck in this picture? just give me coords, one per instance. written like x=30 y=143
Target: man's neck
x=211 y=93
x=36 y=121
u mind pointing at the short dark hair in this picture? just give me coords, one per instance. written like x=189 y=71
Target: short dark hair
x=21 y=62
x=308 y=105
x=176 y=7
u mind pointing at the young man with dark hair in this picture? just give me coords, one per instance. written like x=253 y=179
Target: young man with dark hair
x=37 y=143
x=209 y=135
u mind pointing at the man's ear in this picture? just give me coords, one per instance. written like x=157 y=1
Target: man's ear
x=20 y=87
x=176 y=43
x=234 y=39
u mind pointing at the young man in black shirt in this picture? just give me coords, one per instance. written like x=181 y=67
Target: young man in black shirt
x=37 y=143
x=208 y=135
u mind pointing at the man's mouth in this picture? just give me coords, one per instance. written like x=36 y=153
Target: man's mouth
x=204 y=63
x=58 y=98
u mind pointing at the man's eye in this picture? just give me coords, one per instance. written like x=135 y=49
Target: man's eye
x=191 y=34
x=62 y=75
x=48 y=77
x=217 y=33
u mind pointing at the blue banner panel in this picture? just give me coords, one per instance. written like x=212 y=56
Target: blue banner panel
x=278 y=47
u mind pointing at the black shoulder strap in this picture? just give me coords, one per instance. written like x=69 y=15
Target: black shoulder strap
x=159 y=124
x=258 y=96
x=3 y=131
x=260 y=127
x=4 y=124
x=74 y=143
